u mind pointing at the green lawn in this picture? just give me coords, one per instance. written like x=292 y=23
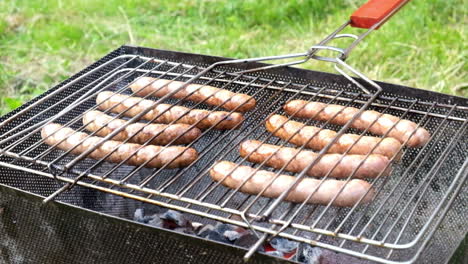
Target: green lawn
x=44 y=42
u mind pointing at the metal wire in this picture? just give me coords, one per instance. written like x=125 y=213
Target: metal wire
x=215 y=198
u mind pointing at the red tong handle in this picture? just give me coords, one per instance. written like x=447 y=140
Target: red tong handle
x=375 y=11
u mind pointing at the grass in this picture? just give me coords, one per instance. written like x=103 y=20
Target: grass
x=44 y=42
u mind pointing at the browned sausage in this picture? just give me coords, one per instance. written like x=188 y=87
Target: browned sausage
x=324 y=112
x=55 y=133
x=318 y=138
x=194 y=92
x=167 y=113
x=234 y=177
x=139 y=132
x=344 y=165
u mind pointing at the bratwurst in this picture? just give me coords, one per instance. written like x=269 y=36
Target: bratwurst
x=156 y=156
x=194 y=92
x=253 y=182
x=159 y=134
x=317 y=138
x=166 y=113
x=402 y=129
x=344 y=165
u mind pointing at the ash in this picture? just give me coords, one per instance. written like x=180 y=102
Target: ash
x=238 y=236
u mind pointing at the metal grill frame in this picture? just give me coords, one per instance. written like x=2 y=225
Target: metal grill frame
x=454 y=189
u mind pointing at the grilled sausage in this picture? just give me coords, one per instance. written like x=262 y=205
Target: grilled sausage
x=194 y=92
x=166 y=113
x=318 y=138
x=173 y=157
x=344 y=165
x=234 y=177
x=324 y=112
x=139 y=132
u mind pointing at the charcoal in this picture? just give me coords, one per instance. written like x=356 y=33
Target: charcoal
x=232 y=235
x=176 y=217
x=262 y=249
x=185 y=230
x=240 y=230
x=246 y=240
x=197 y=226
x=275 y=253
x=308 y=254
x=152 y=220
x=205 y=231
x=156 y=221
x=230 y=232
x=283 y=245
x=139 y=216
x=169 y=224
x=221 y=228
x=313 y=255
x=213 y=235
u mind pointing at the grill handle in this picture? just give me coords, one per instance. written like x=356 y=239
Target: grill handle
x=375 y=13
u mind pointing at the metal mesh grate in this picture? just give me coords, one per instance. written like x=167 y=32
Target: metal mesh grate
x=394 y=227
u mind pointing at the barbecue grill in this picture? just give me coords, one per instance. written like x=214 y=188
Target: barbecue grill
x=418 y=212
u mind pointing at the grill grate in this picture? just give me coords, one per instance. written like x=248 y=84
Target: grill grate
x=397 y=224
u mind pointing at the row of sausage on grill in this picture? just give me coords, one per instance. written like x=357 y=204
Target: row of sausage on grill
x=365 y=156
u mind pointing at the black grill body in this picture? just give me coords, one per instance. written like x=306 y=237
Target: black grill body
x=63 y=233
x=85 y=226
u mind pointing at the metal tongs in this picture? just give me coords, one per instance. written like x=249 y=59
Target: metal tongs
x=370 y=16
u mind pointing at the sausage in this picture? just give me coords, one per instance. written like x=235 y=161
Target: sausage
x=324 y=112
x=168 y=113
x=103 y=125
x=234 y=177
x=194 y=92
x=277 y=157
x=55 y=133
x=317 y=138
